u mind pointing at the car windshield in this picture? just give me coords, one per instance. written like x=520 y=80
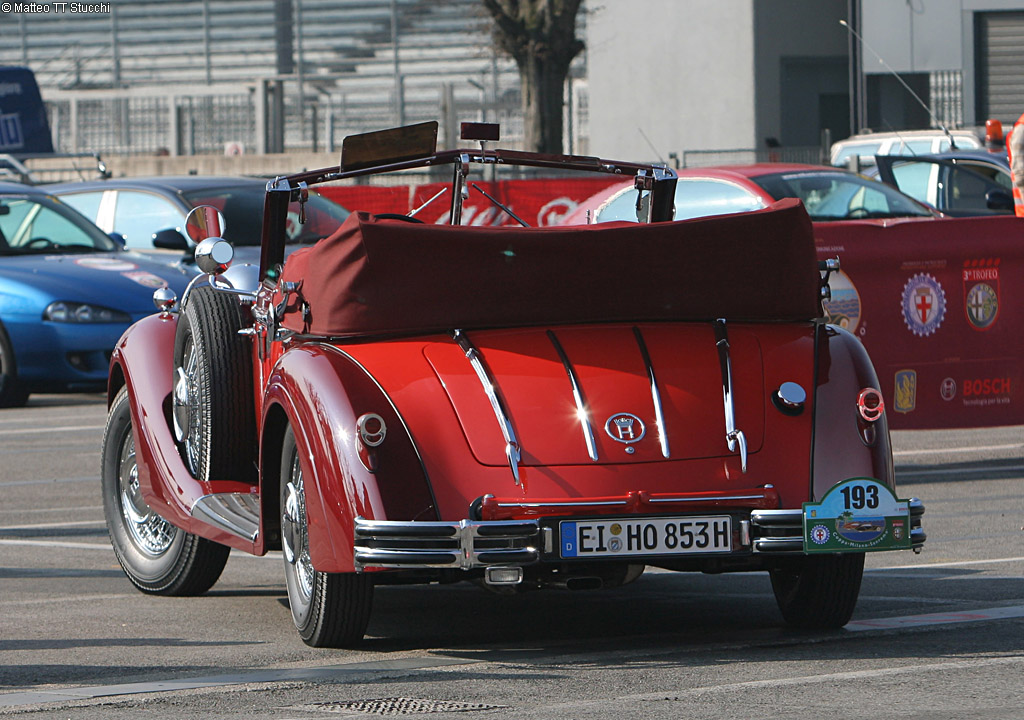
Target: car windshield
x=841 y=196
x=39 y=224
x=242 y=207
x=695 y=197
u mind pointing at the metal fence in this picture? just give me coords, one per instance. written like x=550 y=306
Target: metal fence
x=271 y=116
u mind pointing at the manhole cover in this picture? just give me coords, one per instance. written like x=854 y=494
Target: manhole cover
x=398 y=706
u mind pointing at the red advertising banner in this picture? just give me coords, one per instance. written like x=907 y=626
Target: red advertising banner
x=537 y=202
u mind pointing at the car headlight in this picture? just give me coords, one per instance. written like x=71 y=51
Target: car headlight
x=72 y=312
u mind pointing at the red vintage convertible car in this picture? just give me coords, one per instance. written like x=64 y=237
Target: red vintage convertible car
x=518 y=407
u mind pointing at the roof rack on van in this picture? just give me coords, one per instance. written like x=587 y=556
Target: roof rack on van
x=38 y=168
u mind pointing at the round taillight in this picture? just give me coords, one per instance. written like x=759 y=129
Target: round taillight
x=870 y=404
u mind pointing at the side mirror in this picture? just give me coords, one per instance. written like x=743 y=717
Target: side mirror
x=170 y=239
x=117 y=237
x=998 y=200
x=204 y=221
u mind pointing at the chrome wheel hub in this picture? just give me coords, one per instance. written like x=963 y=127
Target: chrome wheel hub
x=149 y=532
x=294 y=536
x=186 y=410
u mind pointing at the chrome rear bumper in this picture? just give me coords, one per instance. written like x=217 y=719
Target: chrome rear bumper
x=471 y=544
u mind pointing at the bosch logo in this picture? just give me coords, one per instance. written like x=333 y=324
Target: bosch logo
x=988 y=386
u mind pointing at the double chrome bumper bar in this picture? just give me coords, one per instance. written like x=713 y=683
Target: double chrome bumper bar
x=464 y=545
x=470 y=544
x=782 y=531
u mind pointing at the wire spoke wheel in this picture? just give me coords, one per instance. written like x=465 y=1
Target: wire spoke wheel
x=157 y=557
x=329 y=609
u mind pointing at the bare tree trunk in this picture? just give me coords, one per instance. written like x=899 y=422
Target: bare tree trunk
x=541 y=36
x=543 y=84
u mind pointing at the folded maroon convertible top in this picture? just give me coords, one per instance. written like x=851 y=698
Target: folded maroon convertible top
x=377 y=276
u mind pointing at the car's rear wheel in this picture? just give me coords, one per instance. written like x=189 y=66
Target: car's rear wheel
x=157 y=557
x=329 y=609
x=12 y=393
x=213 y=402
x=819 y=591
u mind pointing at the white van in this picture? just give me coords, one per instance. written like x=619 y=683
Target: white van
x=908 y=142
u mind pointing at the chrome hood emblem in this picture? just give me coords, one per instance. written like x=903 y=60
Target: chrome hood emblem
x=625 y=428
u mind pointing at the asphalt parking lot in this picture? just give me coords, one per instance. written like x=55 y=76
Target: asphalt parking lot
x=935 y=635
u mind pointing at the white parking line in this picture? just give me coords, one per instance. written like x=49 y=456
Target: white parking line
x=50 y=430
x=957 y=450
x=50 y=543
x=931 y=619
x=73 y=523
x=831 y=677
x=958 y=563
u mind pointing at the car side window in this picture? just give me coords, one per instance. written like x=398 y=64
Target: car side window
x=966 y=190
x=28 y=223
x=915 y=179
x=139 y=214
x=87 y=203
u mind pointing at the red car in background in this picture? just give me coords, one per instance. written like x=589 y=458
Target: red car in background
x=928 y=295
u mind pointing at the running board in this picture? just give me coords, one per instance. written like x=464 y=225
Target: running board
x=235 y=513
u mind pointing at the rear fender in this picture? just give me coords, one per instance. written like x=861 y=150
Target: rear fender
x=321 y=392
x=845 y=445
x=143 y=361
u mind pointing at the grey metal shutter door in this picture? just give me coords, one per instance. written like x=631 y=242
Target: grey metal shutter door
x=1000 y=63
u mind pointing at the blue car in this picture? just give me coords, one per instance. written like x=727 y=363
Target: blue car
x=959 y=183
x=67 y=293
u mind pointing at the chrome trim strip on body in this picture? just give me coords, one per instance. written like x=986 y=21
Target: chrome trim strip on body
x=596 y=503
x=659 y=413
x=710 y=498
x=235 y=513
x=577 y=393
x=512 y=451
x=734 y=437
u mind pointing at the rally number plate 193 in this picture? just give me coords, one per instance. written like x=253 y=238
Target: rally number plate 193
x=645 y=536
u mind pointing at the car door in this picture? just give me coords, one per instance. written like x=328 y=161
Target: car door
x=139 y=215
x=952 y=186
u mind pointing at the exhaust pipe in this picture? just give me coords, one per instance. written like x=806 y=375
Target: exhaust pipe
x=581 y=582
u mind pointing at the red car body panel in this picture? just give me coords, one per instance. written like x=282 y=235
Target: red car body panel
x=142 y=361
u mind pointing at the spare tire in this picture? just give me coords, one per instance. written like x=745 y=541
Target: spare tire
x=213 y=409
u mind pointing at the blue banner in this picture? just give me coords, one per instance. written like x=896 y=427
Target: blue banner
x=24 y=128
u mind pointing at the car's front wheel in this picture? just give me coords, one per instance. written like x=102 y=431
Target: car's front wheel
x=12 y=393
x=329 y=609
x=819 y=591
x=157 y=557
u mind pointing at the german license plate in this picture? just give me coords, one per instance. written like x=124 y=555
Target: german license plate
x=645 y=536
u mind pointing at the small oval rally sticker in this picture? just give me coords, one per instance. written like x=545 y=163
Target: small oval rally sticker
x=105 y=263
x=146 y=279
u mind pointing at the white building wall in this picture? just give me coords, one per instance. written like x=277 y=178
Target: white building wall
x=927 y=36
x=670 y=75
